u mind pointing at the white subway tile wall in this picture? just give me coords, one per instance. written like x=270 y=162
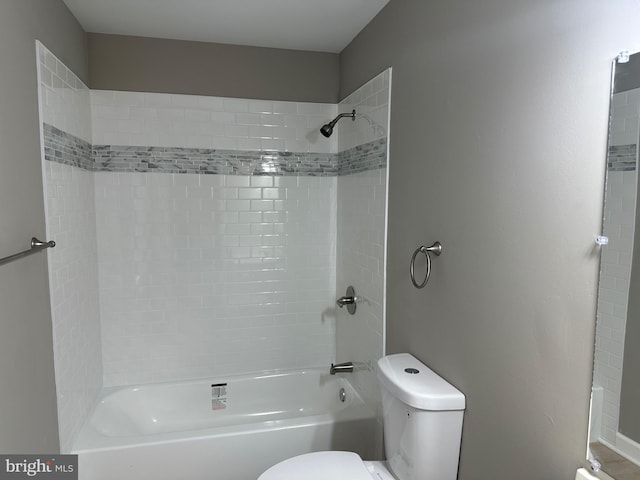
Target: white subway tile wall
x=371 y=102
x=207 y=275
x=362 y=201
x=64 y=98
x=615 y=274
x=73 y=269
x=170 y=120
x=73 y=279
x=361 y=240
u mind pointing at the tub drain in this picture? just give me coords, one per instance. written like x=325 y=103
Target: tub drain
x=342 y=395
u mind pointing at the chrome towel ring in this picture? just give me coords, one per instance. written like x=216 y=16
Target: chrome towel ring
x=436 y=249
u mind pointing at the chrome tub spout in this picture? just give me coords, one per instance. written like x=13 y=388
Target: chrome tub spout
x=346 y=367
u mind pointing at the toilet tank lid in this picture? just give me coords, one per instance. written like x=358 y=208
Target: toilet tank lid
x=423 y=389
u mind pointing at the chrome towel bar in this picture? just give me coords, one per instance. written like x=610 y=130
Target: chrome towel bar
x=36 y=246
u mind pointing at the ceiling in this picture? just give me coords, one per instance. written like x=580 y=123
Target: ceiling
x=317 y=25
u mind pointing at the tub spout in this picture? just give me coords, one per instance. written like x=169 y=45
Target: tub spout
x=346 y=367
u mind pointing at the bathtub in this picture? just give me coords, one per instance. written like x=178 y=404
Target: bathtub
x=230 y=428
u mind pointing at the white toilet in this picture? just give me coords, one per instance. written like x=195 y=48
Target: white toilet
x=422 y=419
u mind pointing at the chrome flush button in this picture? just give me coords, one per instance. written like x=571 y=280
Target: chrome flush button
x=412 y=371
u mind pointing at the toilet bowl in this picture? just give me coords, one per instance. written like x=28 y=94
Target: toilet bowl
x=327 y=465
x=422 y=420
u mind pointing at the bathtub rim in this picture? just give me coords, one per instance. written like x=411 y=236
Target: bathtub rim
x=213 y=379
x=89 y=440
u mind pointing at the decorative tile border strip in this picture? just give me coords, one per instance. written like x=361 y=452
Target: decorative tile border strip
x=64 y=148
x=109 y=158
x=67 y=149
x=622 y=158
x=369 y=156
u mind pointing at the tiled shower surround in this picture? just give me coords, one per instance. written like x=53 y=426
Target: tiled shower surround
x=361 y=241
x=211 y=274
x=216 y=241
x=73 y=264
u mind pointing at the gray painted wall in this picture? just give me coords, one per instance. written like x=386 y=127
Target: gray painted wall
x=119 y=62
x=498 y=135
x=28 y=417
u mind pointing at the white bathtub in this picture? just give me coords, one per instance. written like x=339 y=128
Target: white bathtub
x=170 y=431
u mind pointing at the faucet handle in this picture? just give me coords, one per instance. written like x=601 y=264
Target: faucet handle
x=342 y=301
x=349 y=300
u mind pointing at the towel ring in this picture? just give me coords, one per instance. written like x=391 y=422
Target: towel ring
x=436 y=249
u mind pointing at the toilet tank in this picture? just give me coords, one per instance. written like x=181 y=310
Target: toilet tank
x=422 y=417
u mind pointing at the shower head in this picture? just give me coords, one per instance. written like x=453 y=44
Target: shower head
x=327 y=128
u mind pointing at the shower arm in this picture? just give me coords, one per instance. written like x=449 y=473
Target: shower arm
x=341 y=115
x=327 y=128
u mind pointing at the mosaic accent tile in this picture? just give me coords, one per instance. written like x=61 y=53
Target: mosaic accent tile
x=108 y=158
x=370 y=156
x=622 y=158
x=68 y=149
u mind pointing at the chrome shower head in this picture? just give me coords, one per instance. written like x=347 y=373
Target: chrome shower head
x=327 y=128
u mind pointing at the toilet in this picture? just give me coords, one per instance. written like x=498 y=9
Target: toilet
x=422 y=420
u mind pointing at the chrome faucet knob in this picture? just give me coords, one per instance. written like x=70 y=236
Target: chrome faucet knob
x=342 y=301
x=349 y=300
